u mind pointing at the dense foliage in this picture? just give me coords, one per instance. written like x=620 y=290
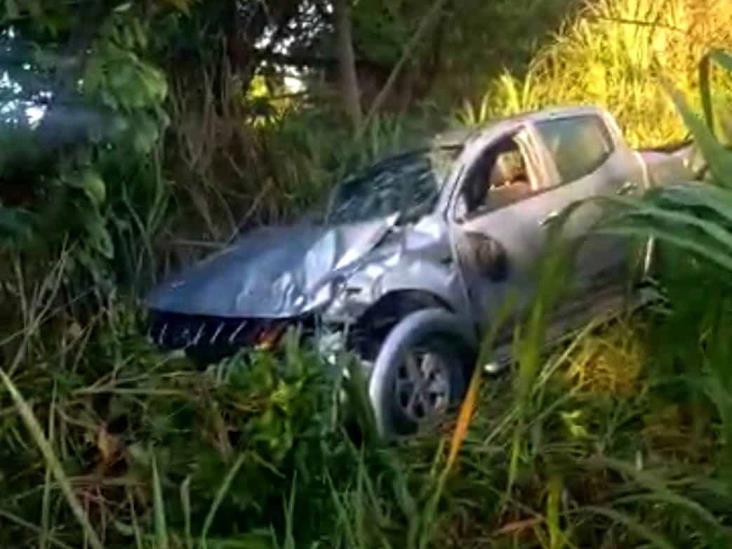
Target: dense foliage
x=136 y=135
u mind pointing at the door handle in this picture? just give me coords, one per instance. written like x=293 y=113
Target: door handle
x=627 y=188
x=549 y=219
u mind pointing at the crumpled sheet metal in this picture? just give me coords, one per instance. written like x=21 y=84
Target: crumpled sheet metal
x=272 y=272
x=416 y=258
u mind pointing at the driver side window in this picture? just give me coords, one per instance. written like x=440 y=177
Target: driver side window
x=499 y=178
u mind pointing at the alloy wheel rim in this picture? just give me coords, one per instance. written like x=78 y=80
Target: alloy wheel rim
x=423 y=386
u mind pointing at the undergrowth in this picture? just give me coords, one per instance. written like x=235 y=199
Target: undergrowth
x=618 y=437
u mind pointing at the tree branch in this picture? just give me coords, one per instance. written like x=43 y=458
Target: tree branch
x=409 y=49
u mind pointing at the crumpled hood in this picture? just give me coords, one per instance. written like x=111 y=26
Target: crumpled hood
x=271 y=272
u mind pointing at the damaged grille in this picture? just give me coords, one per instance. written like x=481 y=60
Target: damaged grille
x=178 y=331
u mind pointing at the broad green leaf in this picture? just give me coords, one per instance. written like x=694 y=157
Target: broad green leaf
x=716 y=232
x=716 y=199
x=724 y=60
x=674 y=237
x=719 y=158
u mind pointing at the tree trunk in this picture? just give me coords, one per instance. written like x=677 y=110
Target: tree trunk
x=347 y=62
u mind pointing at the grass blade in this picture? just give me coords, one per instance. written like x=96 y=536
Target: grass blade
x=161 y=530
x=36 y=431
x=46 y=502
x=220 y=495
x=553 y=504
x=724 y=60
x=185 y=501
x=33 y=528
x=659 y=488
x=631 y=524
x=289 y=515
x=133 y=517
x=719 y=158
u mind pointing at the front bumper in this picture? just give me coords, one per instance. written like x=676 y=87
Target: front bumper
x=209 y=339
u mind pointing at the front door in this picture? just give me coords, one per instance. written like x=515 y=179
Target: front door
x=501 y=213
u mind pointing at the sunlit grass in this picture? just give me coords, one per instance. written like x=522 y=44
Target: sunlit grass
x=613 y=361
x=612 y=55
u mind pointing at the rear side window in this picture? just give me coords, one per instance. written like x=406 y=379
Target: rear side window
x=579 y=145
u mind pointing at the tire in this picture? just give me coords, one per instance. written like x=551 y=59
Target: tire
x=421 y=372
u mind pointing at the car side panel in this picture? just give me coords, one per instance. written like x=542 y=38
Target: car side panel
x=601 y=259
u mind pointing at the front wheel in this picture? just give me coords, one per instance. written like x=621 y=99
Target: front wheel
x=420 y=373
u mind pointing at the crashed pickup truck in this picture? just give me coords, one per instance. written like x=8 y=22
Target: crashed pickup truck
x=419 y=253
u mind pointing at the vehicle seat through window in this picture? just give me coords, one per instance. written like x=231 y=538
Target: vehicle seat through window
x=508 y=180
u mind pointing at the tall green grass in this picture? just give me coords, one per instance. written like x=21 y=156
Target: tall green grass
x=613 y=54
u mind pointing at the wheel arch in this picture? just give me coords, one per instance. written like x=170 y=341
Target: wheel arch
x=372 y=327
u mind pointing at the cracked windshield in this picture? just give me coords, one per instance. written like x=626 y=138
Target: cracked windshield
x=408 y=185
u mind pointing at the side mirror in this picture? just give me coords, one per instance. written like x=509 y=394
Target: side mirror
x=489 y=257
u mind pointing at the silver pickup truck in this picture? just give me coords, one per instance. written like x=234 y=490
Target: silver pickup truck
x=419 y=253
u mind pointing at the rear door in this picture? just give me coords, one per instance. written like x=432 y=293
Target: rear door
x=591 y=161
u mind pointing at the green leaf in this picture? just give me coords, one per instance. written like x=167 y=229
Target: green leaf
x=724 y=60
x=94 y=187
x=146 y=133
x=676 y=238
x=717 y=199
x=99 y=237
x=719 y=158
x=124 y=7
x=91 y=184
x=140 y=34
x=122 y=78
x=154 y=82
